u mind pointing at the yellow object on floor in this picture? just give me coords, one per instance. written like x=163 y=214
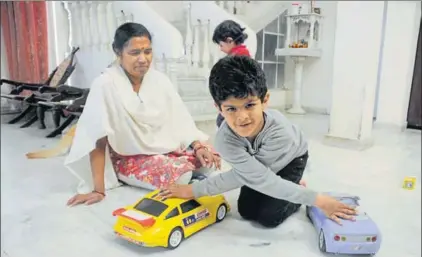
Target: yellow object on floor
x=157 y=222
x=409 y=183
x=62 y=147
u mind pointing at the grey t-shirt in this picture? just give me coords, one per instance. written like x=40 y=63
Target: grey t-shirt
x=256 y=165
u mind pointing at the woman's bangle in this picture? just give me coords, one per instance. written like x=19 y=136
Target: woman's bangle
x=98 y=192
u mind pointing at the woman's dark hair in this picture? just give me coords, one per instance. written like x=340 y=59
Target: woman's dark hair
x=237 y=76
x=127 y=31
x=229 y=28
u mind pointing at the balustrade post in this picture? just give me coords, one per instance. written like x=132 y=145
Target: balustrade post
x=231 y=6
x=75 y=9
x=102 y=26
x=93 y=24
x=195 y=51
x=206 y=49
x=85 y=23
x=188 y=37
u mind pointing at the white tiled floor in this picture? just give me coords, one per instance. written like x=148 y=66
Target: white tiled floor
x=36 y=222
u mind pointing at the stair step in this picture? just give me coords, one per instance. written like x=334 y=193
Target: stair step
x=193 y=87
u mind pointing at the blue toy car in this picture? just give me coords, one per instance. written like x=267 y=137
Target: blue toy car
x=361 y=236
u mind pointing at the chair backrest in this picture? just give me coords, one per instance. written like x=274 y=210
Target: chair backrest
x=63 y=71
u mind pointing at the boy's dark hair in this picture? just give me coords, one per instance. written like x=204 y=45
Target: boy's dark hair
x=238 y=77
x=229 y=28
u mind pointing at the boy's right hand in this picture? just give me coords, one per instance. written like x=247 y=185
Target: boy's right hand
x=335 y=209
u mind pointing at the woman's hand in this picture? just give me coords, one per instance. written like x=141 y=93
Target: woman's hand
x=335 y=209
x=207 y=158
x=88 y=199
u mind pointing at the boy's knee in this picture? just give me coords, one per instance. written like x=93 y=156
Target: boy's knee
x=245 y=211
x=268 y=222
x=271 y=218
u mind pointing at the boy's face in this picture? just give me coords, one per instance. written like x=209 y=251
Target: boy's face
x=244 y=116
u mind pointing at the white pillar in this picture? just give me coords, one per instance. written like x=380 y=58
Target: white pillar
x=398 y=60
x=355 y=68
x=297 y=91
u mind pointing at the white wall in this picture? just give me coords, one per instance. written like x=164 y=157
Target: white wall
x=317 y=73
x=401 y=35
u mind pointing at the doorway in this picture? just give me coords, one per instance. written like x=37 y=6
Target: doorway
x=414 y=113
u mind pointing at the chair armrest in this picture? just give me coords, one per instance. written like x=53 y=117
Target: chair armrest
x=69 y=90
x=47 y=89
x=19 y=83
x=28 y=87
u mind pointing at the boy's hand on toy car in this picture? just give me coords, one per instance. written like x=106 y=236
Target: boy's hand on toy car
x=177 y=191
x=335 y=209
x=88 y=199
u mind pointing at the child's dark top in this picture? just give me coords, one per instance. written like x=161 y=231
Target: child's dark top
x=255 y=165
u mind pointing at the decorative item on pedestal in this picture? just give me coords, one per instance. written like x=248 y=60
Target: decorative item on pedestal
x=302 y=40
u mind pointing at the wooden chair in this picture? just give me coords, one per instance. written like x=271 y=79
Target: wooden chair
x=41 y=91
x=71 y=109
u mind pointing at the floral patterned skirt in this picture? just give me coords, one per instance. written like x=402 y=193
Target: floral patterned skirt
x=159 y=170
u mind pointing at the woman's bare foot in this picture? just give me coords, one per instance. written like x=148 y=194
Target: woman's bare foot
x=302 y=183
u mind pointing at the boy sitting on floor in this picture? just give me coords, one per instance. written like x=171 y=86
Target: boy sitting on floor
x=268 y=154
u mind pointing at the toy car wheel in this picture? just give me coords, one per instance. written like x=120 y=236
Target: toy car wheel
x=221 y=212
x=175 y=238
x=321 y=244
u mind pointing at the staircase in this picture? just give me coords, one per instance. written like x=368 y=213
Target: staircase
x=251 y=12
x=181 y=31
x=196 y=20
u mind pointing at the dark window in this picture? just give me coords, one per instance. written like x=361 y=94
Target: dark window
x=152 y=207
x=173 y=213
x=189 y=205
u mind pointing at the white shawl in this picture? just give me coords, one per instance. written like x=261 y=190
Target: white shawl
x=155 y=121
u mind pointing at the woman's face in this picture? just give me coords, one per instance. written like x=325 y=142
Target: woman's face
x=136 y=56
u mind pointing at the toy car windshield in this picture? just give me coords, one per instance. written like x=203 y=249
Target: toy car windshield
x=151 y=207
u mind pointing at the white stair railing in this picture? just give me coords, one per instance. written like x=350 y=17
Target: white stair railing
x=206 y=55
x=195 y=47
x=188 y=37
x=234 y=7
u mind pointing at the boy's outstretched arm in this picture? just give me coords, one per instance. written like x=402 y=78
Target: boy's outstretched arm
x=250 y=172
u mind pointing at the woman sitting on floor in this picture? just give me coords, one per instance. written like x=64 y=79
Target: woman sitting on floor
x=134 y=128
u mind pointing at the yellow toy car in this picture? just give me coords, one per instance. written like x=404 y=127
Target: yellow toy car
x=153 y=222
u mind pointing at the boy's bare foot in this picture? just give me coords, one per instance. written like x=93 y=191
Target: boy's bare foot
x=302 y=183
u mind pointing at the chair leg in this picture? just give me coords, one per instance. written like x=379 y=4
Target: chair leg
x=57 y=115
x=30 y=121
x=60 y=129
x=22 y=114
x=41 y=116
